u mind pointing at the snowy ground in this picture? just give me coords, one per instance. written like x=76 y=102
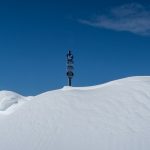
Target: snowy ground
x=112 y=116
x=9 y=101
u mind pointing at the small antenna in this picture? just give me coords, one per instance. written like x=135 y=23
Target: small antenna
x=70 y=67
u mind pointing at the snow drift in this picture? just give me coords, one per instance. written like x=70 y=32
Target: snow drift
x=112 y=116
x=11 y=99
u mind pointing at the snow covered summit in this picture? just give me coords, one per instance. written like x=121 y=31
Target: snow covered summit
x=112 y=116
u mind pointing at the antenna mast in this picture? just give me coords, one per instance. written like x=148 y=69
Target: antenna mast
x=70 y=68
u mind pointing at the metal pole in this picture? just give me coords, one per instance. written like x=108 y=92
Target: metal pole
x=69 y=81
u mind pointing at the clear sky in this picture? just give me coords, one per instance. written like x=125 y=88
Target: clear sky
x=110 y=39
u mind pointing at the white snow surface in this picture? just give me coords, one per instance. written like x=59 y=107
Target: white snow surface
x=111 y=116
x=10 y=100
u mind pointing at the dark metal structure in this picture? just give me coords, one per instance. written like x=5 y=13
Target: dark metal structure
x=70 y=67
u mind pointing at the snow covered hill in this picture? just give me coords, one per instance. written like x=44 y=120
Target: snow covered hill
x=11 y=100
x=112 y=116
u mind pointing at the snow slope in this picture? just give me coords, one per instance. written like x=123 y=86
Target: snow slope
x=11 y=99
x=112 y=116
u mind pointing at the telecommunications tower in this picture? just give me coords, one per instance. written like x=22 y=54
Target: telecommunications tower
x=70 y=68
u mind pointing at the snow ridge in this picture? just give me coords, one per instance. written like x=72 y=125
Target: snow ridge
x=10 y=100
x=111 y=116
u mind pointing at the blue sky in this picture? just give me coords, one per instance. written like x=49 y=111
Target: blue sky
x=110 y=39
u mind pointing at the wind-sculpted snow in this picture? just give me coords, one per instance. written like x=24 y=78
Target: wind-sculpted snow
x=112 y=116
x=9 y=100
